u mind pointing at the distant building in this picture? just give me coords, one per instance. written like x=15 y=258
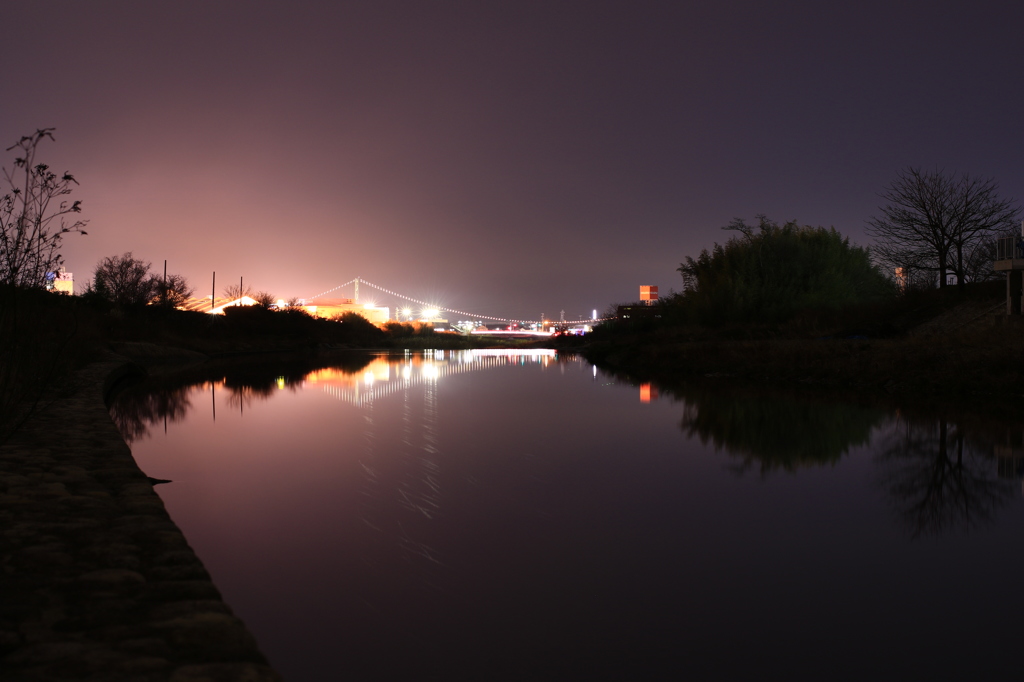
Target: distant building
x=62 y=282
x=627 y=312
x=329 y=307
x=648 y=294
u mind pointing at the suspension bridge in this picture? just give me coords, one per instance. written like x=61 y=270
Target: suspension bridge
x=425 y=306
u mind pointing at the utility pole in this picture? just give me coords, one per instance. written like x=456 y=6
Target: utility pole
x=213 y=292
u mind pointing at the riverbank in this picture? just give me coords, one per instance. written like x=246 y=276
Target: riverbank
x=970 y=364
x=96 y=580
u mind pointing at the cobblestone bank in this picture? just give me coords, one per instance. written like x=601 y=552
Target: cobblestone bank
x=96 y=581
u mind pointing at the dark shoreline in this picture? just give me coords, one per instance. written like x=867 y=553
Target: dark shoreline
x=98 y=581
x=976 y=370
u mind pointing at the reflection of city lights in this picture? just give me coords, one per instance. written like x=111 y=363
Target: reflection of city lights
x=280 y=382
x=407 y=372
x=430 y=371
x=368 y=378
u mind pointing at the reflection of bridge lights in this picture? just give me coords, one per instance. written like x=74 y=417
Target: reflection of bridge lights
x=407 y=372
x=430 y=372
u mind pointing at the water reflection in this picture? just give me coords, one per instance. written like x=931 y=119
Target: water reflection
x=141 y=409
x=358 y=378
x=537 y=522
x=942 y=475
x=775 y=432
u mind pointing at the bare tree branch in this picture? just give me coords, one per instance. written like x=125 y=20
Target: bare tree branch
x=934 y=222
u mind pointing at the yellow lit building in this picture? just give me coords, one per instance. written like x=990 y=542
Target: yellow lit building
x=329 y=307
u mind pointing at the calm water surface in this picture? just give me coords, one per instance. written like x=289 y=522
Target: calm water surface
x=482 y=515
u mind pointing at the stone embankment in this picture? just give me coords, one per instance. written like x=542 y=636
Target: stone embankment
x=96 y=581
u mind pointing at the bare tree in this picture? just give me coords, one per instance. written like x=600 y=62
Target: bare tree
x=124 y=280
x=172 y=291
x=936 y=222
x=234 y=291
x=33 y=216
x=265 y=299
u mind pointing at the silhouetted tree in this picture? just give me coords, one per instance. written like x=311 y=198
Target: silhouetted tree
x=234 y=291
x=34 y=217
x=935 y=222
x=123 y=280
x=265 y=299
x=172 y=292
x=774 y=271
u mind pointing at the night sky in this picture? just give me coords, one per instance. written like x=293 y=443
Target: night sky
x=503 y=158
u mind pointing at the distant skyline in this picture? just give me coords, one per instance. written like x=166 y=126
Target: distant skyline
x=502 y=158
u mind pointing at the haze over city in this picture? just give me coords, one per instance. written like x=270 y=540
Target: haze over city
x=510 y=158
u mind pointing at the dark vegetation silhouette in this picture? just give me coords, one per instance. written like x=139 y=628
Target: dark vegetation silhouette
x=771 y=272
x=239 y=290
x=798 y=305
x=769 y=277
x=126 y=282
x=934 y=223
x=35 y=216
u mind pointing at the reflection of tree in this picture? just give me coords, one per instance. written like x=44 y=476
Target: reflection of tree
x=775 y=432
x=940 y=477
x=134 y=411
x=144 y=404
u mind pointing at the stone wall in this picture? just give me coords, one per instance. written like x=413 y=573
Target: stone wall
x=96 y=581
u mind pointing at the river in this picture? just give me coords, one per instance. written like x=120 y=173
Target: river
x=524 y=515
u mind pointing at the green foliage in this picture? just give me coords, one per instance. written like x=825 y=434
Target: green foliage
x=773 y=272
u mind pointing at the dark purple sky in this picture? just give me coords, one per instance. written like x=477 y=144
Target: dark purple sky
x=505 y=158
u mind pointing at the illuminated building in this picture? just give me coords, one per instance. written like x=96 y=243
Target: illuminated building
x=330 y=307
